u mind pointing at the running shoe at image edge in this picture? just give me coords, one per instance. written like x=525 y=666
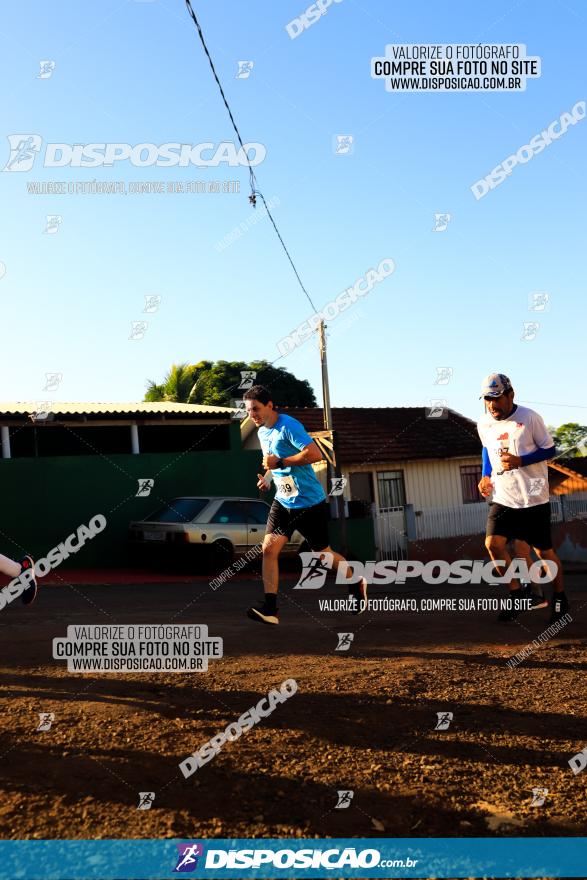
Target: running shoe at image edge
x=263 y=614
x=537 y=600
x=27 y=596
x=358 y=596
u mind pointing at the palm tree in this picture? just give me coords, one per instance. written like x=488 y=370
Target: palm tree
x=217 y=383
x=177 y=386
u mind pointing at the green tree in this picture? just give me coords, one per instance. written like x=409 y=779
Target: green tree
x=216 y=384
x=176 y=386
x=570 y=439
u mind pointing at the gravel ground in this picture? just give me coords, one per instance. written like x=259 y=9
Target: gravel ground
x=362 y=720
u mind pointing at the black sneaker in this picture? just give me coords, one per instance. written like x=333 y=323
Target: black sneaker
x=28 y=595
x=263 y=614
x=537 y=599
x=358 y=597
x=560 y=606
x=511 y=612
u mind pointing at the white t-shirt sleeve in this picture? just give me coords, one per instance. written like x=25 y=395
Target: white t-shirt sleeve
x=540 y=433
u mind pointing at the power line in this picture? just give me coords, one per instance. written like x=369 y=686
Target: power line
x=252 y=179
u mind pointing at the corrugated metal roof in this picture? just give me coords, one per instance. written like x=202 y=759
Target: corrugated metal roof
x=134 y=408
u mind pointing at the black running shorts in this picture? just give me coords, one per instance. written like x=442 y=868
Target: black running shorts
x=530 y=524
x=311 y=522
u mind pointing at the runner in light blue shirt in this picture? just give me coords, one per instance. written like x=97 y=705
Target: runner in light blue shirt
x=299 y=504
x=297 y=486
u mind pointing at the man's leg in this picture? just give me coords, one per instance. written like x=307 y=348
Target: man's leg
x=357 y=589
x=560 y=603
x=314 y=527
x=337 y=559
x=497 y=548
x=273 y=544
x=540 y=538
x=524 y=551
x=532 y=591
x=550 y=556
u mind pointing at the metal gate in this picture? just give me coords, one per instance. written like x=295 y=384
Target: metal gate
x=391 y=540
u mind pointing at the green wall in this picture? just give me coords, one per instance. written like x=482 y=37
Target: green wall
x=44 y=500
x=360 y=538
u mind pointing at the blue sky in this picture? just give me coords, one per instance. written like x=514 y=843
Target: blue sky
x=134 y=72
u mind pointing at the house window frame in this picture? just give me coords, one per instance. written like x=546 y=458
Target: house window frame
x=380 y=480
x=474 y=471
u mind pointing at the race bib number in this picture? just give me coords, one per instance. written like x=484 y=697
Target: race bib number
x=499 y=451
x=285 y=486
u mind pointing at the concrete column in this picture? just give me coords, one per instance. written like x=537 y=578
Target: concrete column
x=134 y=439
x=5 y=441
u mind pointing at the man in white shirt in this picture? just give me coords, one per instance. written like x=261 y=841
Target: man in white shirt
x=516 y=448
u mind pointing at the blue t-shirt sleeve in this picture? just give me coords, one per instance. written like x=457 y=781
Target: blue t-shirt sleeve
x=297 y=434
x=486 y=464
x=538 y=455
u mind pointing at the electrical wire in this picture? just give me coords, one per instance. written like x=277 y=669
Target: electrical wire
x=252 y=179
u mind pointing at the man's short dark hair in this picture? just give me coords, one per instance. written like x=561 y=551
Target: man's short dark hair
x=258 y=392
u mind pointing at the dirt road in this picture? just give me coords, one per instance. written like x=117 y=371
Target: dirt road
x=363 y=720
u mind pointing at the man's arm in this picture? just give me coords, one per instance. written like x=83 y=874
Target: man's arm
x=537 y=455
x=309 y=455
x=545 y=448
x=264 y=481
x=485 y=485
x=511 y=462
x=486 y=464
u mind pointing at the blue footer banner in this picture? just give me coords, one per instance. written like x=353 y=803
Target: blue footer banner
x=346 y=857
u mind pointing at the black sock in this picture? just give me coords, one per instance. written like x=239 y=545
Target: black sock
x=271 y=601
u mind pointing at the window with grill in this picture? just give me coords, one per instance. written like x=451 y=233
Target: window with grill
x=391 y=487
x=470 y=476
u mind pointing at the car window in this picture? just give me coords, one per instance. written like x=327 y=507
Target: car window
x=180 y=510
x=230 y=512
x=258 y=512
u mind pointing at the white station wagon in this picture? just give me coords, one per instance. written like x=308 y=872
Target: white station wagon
x=227 y=527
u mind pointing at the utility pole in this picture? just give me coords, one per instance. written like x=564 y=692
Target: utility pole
x=325 y=386
x=328 y=426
